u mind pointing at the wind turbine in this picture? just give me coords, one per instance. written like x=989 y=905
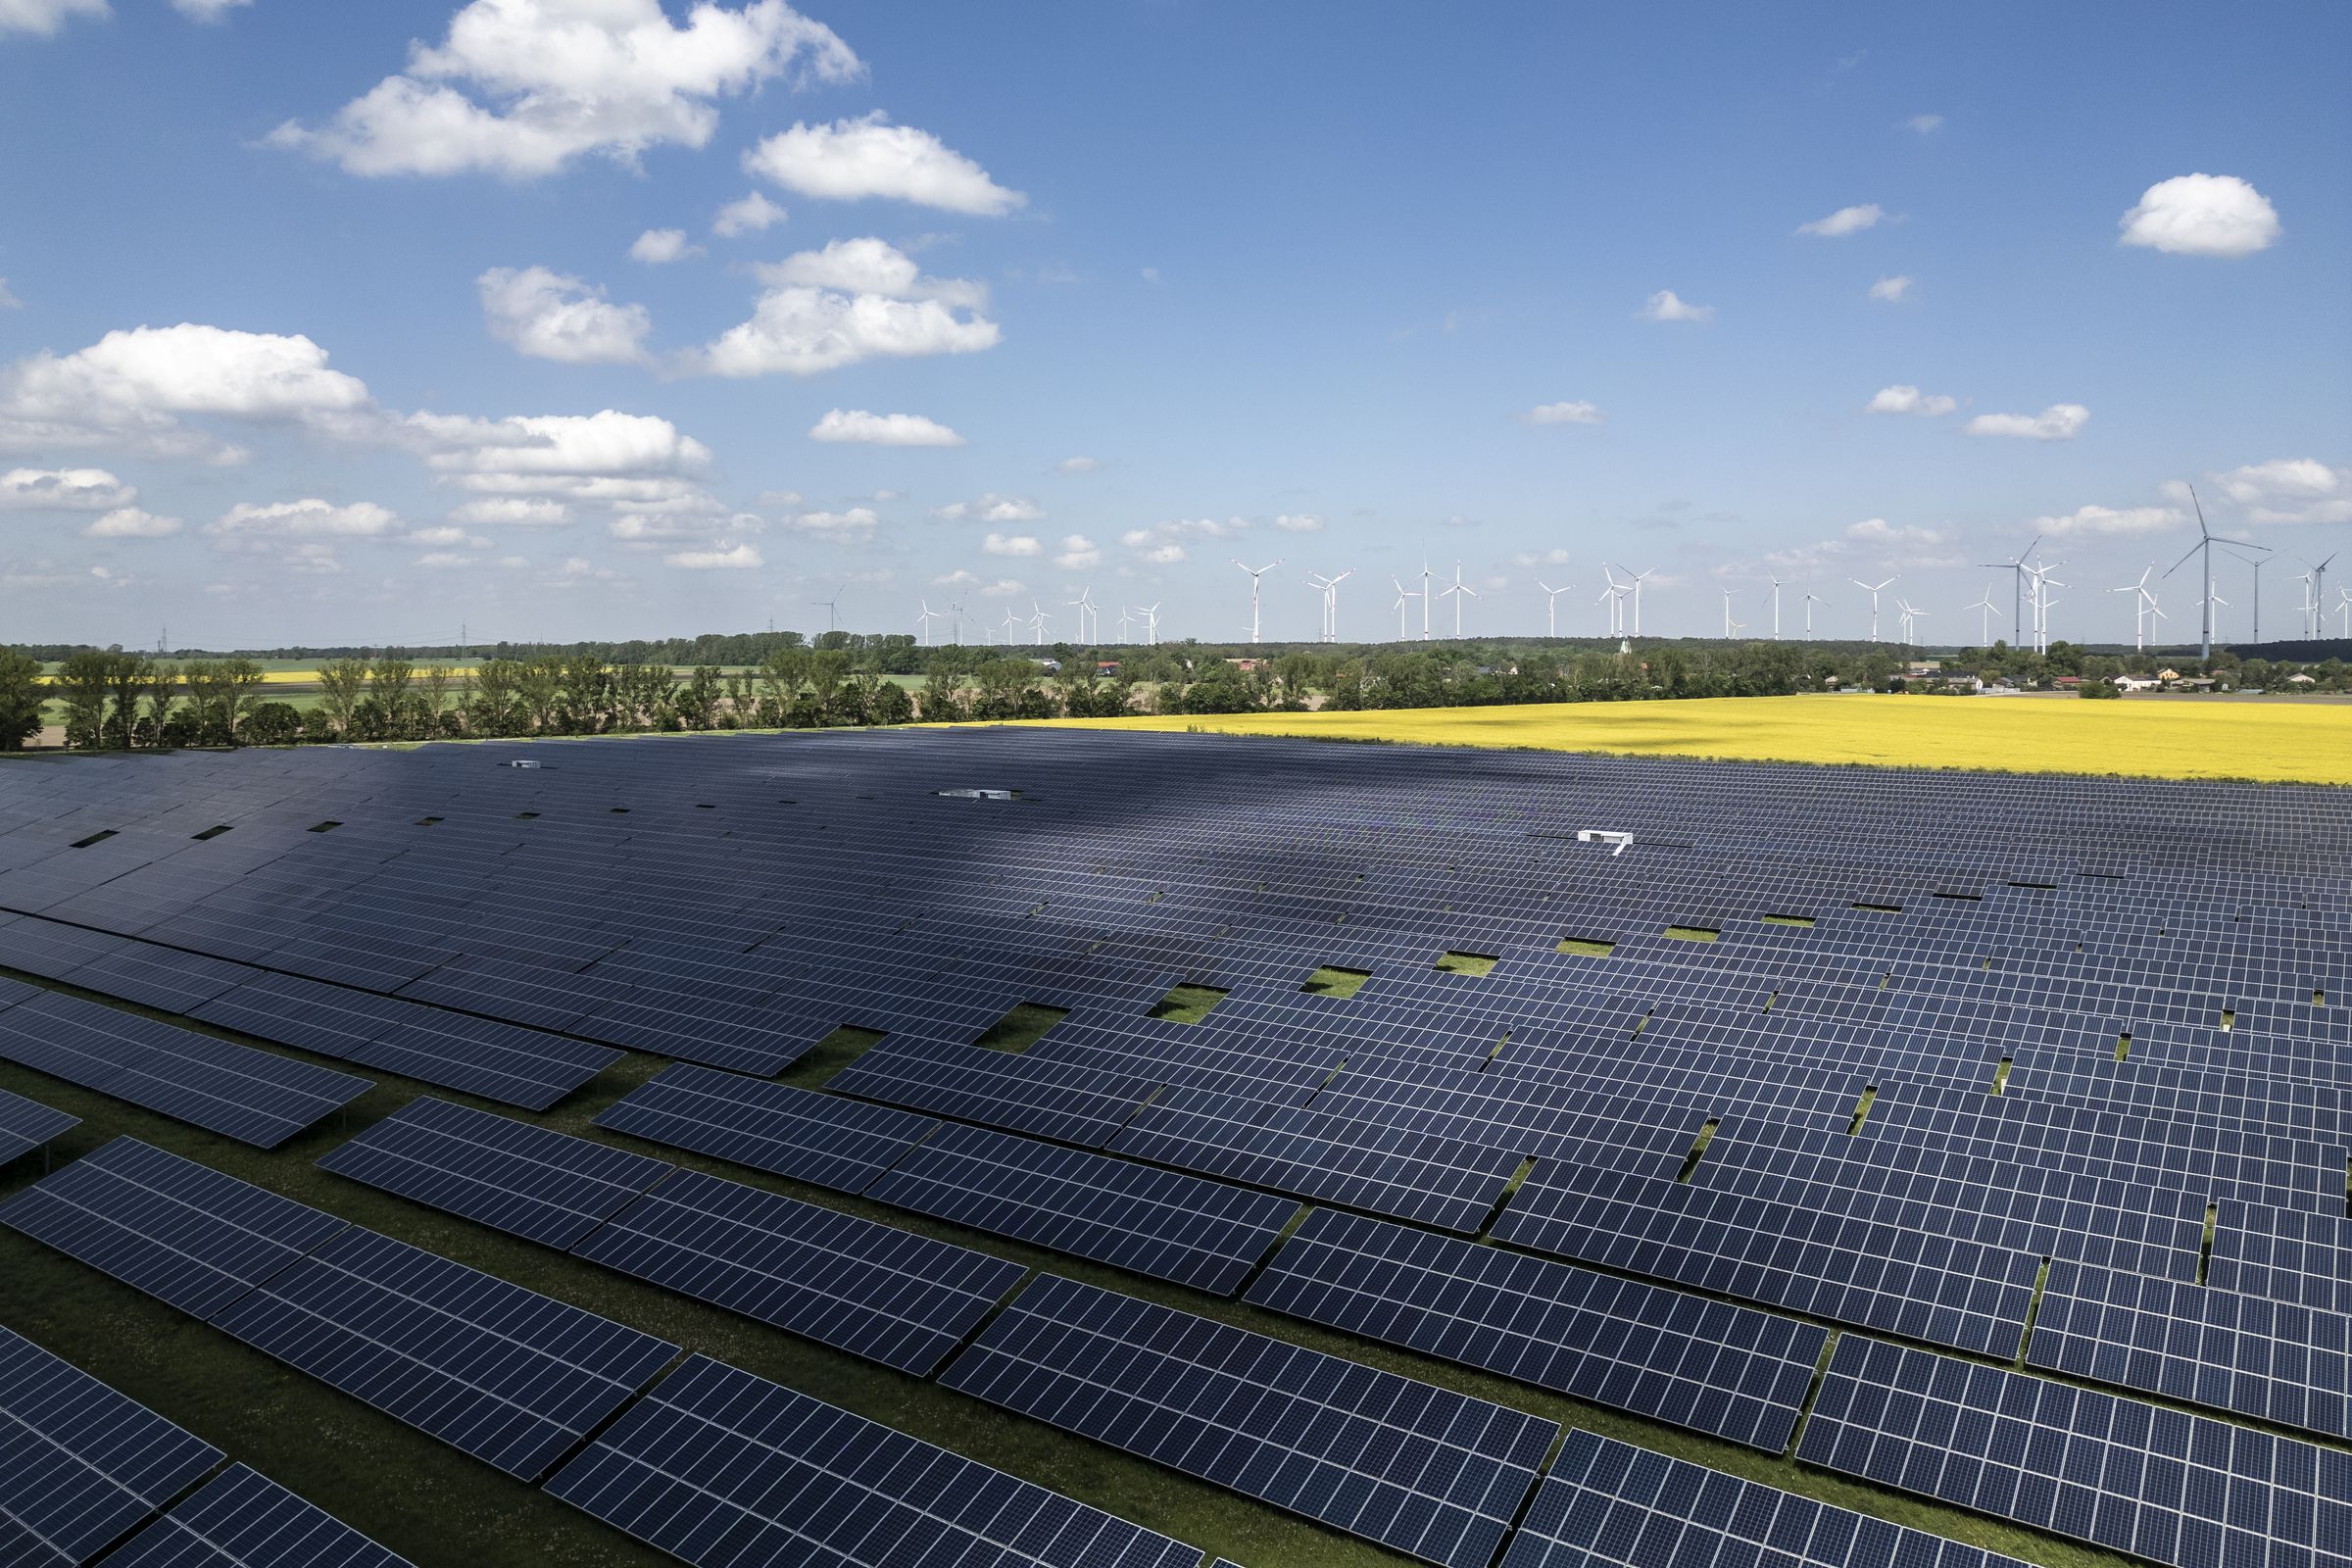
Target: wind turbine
x=2318 y=593
x=1084 y=604
x=1637 y=586
x=1012 y=624
x=1614 y=596
x=1458 y=591
x=1911 y=618
x=2040 y=599
x=1811 y=599
x=1126 y=615
x=955 y=621
x=2139 y=609
x=2343 y=603
x=1727 y=612
x=2205 y=542
x=1255 y=572
x=1424 y=598
x=2016 y=566
x=1329 y=587
x=1776 y=609
x=1151 y=614
x=922 y=622
x=1037 y=622
x=1985 y=608
x=1405 y=596
x=1874 y=601
x=1551 y=606
x=830 y=606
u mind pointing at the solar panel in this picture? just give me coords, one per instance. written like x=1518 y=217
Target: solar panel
x=543 y=1186
x=2165 y=1485
x=80 y=1464
x=247 y=1095
x=1708 y=1365
x=890 y=1295
x=243 y=1519
x=500 y=1061
x=507 y=1375
x=1170 y=1226
x=1429 y=1472
x=824 y=1138
x=159 y=977
x=180 y=1231
x=26 y=1124
x=1608 y=1505
x=718 y=1467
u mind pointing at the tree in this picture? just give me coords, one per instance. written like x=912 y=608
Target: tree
x=270 y=724
x=341 y=685
x=20 y=696
x=248 y=682
x=161 y=691
x=126 y=682
x=388 y=689
x=436 y=697
x=82 y=686
x=540 y=684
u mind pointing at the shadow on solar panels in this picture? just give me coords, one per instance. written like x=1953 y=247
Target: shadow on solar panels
x=1022 y=1027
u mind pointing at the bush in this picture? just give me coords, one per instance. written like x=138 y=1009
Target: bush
x=2096 y=689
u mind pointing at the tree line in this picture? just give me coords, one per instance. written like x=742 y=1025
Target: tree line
x=113 y=699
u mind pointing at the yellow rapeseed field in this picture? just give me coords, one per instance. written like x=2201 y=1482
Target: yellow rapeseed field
x=2195 y=738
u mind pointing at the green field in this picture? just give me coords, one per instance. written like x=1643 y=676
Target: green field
x=437 y=1506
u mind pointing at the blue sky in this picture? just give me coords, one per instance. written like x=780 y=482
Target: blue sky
x=355 y=323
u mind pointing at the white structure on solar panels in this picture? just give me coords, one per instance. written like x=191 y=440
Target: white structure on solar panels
x=923 y=620
x=1458 y=591
x=1873 y=589
x=1256 y=572
x=1551 y=606
x=2015 y=565
x=2204 y=545
x=1616 y=839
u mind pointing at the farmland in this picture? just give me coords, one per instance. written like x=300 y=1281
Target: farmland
x=2300 y=742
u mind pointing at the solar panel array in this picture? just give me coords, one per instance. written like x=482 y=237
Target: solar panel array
x=1432 y=1473
x=80 y=1464
x=243 y=1519
x=1824 y=1048
x=26 y=1124
x=719 y=1466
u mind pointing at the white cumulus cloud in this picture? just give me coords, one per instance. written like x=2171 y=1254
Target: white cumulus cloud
x=1565 y=413
x=1892 y=290
x=2096 y=520
x=514 y=511
x=2291 y=490
x=659 y=246
x=1667 y=305
x=1911 y=400
x=736 y=558
x=749 y=215
x=64 y=490
x=522 y=87
x=883 y=430
x=1299 y=523
x=7 y=301
x=1845 y=221
x=2202 y=214
x=850 y=159
x=853 y=300
x=208 y=11
x=308 y=519
x=129 y=523
x=856 y=522
x=1019 y=543
x=1078 y=552
x=1925 y=125
x=44 y=16
x=1077 y=465
x=2057 y=422
x=550 y=317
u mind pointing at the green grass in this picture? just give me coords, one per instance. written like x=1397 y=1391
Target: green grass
x=435 y=1506
x=1187 y=1004
x=1332 y=980
x=1024 y=1027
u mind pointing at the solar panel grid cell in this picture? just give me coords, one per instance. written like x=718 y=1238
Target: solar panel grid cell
x=242 y=1519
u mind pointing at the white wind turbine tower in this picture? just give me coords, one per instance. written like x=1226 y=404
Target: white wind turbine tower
x=1126 y=617
x=2318 y=593
x=1084 y=604
x=1037 y=622
x=1614 y=596
x=1405 y=596
x=1011 y=626
x=1255 y=572
x=1151 y=614
x=1637 y=587
x=1551 y=606
x=2015 y=565
x=1727 y=612
x=1873 y=589
x=1458 y=591
x=1776 y=609
x=2205 y=542
x=922 y=622
x=1911 y=616
x=1986 y=607
x=2139 y=609
x=1811 y=599
x=1329 y=587
x=1426 y=597
x=2038 y=597
x=2344 y=604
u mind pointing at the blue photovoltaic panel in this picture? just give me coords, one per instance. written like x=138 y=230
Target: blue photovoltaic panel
x=247 y=1095
x=159 y=977
x=507 y=1375
x=2190 y=1490
x=1608 y=1505
x=243 y=1519
x=1432 y=1473
x=26 y=1124
x=890 y=1295
x=80 y=1464
x=545 y=1186
x=1708 y=1365
x=179 y=1231
x=500 y=1061
x=722 y=1469
x=1157 y=1222
x=824 y=1139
